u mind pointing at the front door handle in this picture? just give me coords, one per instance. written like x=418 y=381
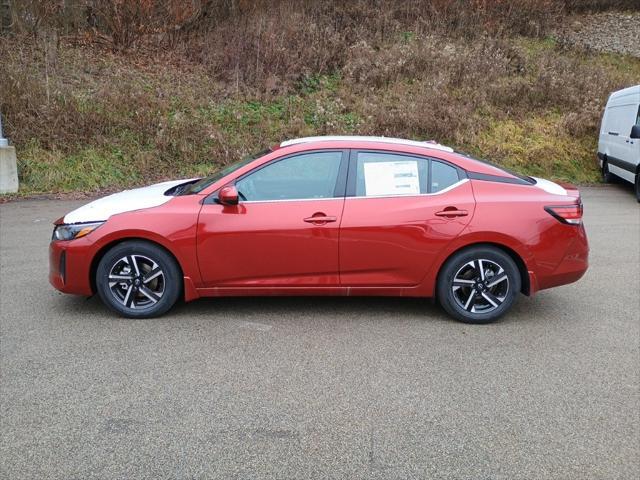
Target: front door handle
x=320 y=218
x=451 y=212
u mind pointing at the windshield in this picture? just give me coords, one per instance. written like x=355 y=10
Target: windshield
x=205 y=182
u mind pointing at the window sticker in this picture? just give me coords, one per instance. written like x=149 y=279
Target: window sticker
x=391 y=178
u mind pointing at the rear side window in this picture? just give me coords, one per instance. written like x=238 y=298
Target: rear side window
x=442 y=176
x=384 y=174
x=395 y=174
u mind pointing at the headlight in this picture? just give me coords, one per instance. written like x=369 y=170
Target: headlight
x=75 y=230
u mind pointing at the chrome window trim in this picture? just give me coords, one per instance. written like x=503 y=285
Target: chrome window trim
x=444 y=190
x=244 y=202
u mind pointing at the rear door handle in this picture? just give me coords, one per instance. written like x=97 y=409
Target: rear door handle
x=320 y=219
x=451 y=212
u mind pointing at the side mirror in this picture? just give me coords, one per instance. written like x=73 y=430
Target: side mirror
x=635 y=132
x=228 y=195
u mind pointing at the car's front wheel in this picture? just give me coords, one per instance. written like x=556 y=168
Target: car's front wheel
x=138 y=279
x=478 y=284
x=638 y=187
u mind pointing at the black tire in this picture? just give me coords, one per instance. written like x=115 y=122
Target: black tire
x=607 y=176
x=478 y=300
x=138 y=279
x=638 y=187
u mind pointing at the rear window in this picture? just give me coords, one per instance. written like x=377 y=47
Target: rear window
x=524 y=178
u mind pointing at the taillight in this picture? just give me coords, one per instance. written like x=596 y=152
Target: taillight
x=570 y=214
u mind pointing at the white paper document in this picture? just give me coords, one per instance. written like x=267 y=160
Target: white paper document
x=391 y=178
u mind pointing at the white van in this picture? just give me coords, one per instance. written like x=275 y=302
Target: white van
x=619 y=145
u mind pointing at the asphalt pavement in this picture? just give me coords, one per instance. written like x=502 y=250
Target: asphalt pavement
x=345 y=388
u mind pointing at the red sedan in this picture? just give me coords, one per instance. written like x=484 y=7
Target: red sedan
x=328 y=216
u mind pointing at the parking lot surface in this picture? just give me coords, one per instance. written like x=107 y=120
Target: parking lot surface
x=322 y=387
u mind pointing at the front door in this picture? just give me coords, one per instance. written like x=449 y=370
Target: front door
x=283 y=232
x=399 y=213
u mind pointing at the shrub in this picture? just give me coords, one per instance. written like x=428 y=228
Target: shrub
x=87 y=116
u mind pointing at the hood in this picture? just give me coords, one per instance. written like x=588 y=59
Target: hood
x=125 y=201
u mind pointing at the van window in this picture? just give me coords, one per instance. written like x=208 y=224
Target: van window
x=638 y=117
x=620 y=118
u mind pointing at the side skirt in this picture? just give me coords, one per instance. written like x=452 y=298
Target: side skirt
x=312 y=291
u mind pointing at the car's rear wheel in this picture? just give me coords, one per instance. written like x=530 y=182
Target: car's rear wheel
x=478 y=284
x=638 y=187
x=138 y=279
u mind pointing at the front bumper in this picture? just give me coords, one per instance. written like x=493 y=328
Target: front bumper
x=69 y=267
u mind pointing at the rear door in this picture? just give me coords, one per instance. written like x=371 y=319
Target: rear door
x=400 y=211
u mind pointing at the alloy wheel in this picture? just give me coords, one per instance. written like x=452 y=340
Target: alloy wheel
x=480 y=286
x=137 y=281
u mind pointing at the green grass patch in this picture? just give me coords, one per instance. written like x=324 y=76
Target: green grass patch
x=89 y=169
x=539 y=146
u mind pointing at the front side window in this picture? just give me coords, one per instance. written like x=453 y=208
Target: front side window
x=205 y=182
x=382 y=174
x=306 y=176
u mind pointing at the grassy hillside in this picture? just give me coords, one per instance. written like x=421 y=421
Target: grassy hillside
x=86 y=116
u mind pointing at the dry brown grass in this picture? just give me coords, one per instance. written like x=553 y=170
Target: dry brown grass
x=85 y=116
x=271 y=43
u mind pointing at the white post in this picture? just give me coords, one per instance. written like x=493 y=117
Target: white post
x=8 y=165
x=3 y=141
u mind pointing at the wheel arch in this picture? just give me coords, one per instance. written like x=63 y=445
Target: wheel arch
x=109 y=245
x=525 y=280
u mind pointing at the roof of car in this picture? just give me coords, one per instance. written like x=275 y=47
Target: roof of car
x=463 y=161
x=356 y=138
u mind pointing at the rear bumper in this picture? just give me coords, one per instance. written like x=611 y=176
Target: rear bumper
x=573 y=265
